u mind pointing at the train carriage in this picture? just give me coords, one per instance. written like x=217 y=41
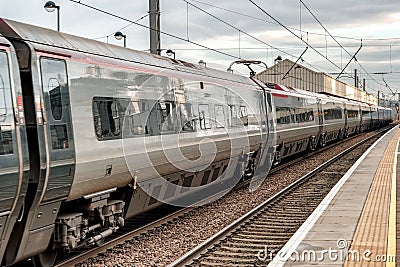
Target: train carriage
x=334 y=119
x=374 y=116
x=297 y=121
x=353 y=117
x=366 y=119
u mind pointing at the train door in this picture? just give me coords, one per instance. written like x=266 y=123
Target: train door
x=346 y=120
x=60 y=147
x=320 y=120
x=12 y=158
x=265 y=156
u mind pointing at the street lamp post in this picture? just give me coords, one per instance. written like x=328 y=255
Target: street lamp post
x=50 y=6
x=279 y=58
x=119 y=36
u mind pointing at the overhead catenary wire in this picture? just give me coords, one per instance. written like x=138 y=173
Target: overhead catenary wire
x=123 y=28
x=289 y=30
x=147 y=27
x=236 y=28
x=326 y=30
x=301 y=32
x=285 y=27
x=247 y=34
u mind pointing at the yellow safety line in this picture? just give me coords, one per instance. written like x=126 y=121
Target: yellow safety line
x=391 y=248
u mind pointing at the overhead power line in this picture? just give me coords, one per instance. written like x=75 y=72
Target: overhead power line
x=123 y=28
x=147 y=27
x=246 y=33
x=352 y=56
x=295 y=29
x=234 y=27
x=289 y=30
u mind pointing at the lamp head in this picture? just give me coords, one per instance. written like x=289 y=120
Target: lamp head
x=50 y=6
x=119 y=35
x=170 y=52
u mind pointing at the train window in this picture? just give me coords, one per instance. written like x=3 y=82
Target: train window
x=186 y=117
x=269 y=100
x=59 y=137
x=108 y=115
x=204 y=117
x=6 y=140
x=243 y=115
x=135 y=117
x=366 y=114
x=304 y=115
x=219 y=116
x=283 y=115
x=166 y=116
x=54 y=80
x=333 y=114
x=232 y=115
x=6 y=118
x=4 y=86
x=352 y=113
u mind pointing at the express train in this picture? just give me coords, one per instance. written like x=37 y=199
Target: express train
x=92 y=134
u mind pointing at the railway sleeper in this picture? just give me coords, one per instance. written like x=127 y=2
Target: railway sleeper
x=258 y=227
x=266 y=220
x=258 y=235
x=251 y=246
x=238 y=249
x=271 y=219
x=263 y=230
x=270 y=239
x=296 y=213
x=227 y=260
x=239 y=254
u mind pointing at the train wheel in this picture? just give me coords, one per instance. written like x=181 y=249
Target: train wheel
x=311 y=144
x=340 y=135
x=322 y=140
x=45 y=259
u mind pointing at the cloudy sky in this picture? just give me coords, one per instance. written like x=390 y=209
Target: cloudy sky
x=251 y=34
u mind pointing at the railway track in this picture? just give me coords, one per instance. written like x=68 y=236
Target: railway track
x=255 y=238
x=147 y=222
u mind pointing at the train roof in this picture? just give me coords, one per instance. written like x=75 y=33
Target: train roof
x=50 y=40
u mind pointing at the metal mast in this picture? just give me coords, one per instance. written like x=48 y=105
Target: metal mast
x=155 y=42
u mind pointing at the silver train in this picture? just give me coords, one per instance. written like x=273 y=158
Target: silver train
x=87 y=130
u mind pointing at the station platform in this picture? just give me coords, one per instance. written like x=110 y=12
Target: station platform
x=355 y=225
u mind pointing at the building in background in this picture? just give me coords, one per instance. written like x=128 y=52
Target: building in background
x=306 y=79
